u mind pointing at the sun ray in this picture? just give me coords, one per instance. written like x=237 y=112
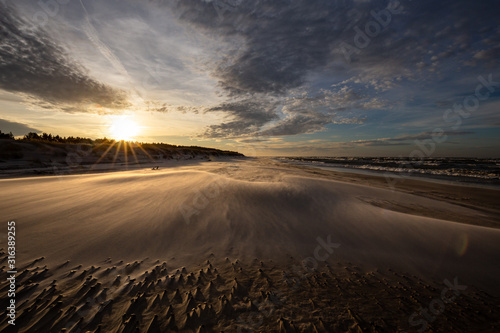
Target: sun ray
x=117 y=152
x=145 y=152
x=125 y=151
x=133 y=153
x=104 y=154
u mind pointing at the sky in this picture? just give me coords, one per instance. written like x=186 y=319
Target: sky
x=265 y=77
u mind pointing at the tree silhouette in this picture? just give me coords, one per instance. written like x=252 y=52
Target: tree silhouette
x=6 y=135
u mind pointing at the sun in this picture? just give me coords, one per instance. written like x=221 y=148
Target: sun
x=123 y=128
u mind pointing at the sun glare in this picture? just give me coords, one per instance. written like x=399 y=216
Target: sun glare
x=123 y=128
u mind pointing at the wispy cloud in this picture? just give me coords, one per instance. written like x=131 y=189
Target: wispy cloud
x=32 y=63
x=404 y=139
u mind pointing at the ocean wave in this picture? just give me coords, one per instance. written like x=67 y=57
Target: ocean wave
x=474 y=168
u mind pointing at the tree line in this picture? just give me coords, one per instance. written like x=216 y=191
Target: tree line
x=47 y=137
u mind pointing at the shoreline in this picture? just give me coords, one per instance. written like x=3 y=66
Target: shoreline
x=462 y=170
x=448 y=180
x=480 y=198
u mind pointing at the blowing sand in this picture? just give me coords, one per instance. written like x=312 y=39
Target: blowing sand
x=250 y=245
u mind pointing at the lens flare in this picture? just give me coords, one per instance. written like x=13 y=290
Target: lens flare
x=462 y=244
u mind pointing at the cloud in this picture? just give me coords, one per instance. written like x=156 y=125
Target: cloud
x=16 y=128
x=274 y=47
x=247 y=116
x=158 y=106
x=350 y=121
x=263 y=116
x=278 y=63
x=299 y=124
x=404 y=139
x=277 y=42
x=33 y=64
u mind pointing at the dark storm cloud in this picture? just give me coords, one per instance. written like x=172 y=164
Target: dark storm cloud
x=279 y=44
x=33 y=64
x=298 y=124
x=16 y=128
x=247 y=116
x=283 y=40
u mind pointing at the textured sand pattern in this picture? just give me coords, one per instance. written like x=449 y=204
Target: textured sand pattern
x=230 y=296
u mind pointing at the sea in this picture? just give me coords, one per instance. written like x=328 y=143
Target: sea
x=484 y=171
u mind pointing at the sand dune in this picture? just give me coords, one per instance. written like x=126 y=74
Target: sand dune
x=203 y=247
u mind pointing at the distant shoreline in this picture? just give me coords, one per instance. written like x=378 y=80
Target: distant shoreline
x=483 y=198
x=472 y=172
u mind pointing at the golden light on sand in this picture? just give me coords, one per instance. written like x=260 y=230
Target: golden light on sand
x=123 y=128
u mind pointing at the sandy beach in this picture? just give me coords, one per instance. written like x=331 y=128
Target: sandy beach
x=247 y=245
